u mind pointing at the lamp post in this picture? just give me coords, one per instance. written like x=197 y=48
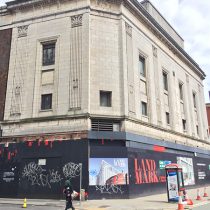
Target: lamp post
x=80 y=186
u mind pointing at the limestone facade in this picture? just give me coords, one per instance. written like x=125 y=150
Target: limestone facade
x=98 y=45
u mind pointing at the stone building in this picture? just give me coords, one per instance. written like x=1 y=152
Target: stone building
x=89 y=81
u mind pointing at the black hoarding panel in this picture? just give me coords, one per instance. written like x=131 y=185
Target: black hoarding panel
x=43 y=167
x=147 y=173
x=202 y=171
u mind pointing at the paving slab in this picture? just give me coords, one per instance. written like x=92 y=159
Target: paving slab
x=152 y=202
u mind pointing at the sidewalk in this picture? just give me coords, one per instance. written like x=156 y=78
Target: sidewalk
x=153 y=202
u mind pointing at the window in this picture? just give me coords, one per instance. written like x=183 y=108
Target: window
x=184 y=124
x=142 y=66
x=144 y=108
x=105 y=98
x=165 y=81
x=181 y=91
x=48 y=57
x=197 y=129
x=194 y=100
x=46 y=102
x=168 y=118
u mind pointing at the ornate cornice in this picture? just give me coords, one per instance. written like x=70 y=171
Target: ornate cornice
x=27 y=4
x=138 y=10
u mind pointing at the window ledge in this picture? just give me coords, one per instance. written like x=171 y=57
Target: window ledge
x=48 y=67
x=45 y=110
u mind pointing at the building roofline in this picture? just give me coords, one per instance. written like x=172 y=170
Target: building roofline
x=138 y=5
x=148 y=1
x=152 y=21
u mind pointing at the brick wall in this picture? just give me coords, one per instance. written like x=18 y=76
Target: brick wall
x=208 y=114
x=5 y=45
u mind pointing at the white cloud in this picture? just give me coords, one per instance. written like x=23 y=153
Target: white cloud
x=191 y=19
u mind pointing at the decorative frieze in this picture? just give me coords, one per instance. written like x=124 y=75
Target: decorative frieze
x=76 y=21
x=22 y=31
x=128 y=29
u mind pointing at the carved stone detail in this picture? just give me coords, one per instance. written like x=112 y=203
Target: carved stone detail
x=17 y=90
x=128 y=29
x=187 y=78
x=76 y=21
x=22 y=31
x=154 y=49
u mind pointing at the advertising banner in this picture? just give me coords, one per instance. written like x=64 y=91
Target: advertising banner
x=188 y=170
x=108 y=171
x=172 y=186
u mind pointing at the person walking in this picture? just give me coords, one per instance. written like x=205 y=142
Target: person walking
x=68 y=190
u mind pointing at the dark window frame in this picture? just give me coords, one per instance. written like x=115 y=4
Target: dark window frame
x=144 y=110
x=197 y=129
x=46 y=58
x=165 y=81
x=181 y=93
x=142 y=60
x=105 y=98
x=194 y=100
x=46 y=101
x=168 y=118
x=184 y=122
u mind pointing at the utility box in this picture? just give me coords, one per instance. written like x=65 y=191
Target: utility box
x=175 y=181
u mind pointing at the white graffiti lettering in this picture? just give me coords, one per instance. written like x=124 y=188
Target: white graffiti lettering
x=71 y=170
x=36 y=175
x=109 y=189
x=55 y=177
x=32 y=172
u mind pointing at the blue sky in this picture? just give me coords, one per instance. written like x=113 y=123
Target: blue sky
x=191 y=19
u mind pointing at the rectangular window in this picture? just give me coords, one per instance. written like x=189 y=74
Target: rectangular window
x=168 y=118
x=48 y=56
x=181 y=91
x=165 y=81
x=194 y=100
x=46 y=102
x=144 y=108
x=197 y=129
x=142 y=66
x=184 y=124
x=105 y=98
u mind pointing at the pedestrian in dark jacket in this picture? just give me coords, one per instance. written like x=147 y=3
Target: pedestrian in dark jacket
x=68 y=190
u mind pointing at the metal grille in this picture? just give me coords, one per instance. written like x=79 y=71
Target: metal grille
x=103 y=125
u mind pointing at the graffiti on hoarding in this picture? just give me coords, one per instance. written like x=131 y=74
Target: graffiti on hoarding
x=36 y=175
x=71 y=170
x=8 y=176
x=146 y=172
x=55 y=176
x=109 y=189
x=32 y=172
